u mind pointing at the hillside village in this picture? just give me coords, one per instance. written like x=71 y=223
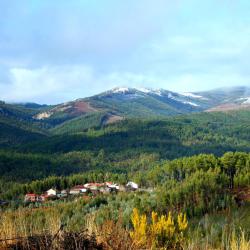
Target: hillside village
x=85 y=190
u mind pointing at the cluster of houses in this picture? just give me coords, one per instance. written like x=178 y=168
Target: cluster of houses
x=86 y=189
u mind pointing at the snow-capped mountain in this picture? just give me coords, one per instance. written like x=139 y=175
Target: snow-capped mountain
x=167 y=97
x=122 y=102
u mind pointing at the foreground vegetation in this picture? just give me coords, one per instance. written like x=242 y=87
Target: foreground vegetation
x=203 y=196
x=68 y=227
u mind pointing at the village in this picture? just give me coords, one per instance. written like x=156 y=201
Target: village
x=85 y=190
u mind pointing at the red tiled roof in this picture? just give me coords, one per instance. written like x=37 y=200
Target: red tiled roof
x=44 y=195
x=108 y=183
x=78 y=187
x=31 y=194
x=94 y=184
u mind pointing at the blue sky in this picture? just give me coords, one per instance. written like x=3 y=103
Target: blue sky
x=56 y=51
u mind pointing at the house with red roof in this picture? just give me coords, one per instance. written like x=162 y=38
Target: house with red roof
x=78 y=189
x=31 y=197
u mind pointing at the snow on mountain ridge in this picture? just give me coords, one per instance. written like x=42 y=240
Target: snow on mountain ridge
x=120 y=90
x=192 y=104
x=179 y=97
x=144 y=90
x=124 y=90
x=150 y=91
x=246 y=100
x=192 y=95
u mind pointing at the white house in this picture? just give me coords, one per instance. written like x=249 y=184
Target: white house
x=51 y=192
x=114 y=186
x=132 y=185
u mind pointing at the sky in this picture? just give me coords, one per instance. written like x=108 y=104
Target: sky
x=60 y=50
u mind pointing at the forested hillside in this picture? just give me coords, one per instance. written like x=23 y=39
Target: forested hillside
x=38 y=155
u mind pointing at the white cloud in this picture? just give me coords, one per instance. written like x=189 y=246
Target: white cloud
x=189 y=82
x=64 y=83
x=47 y=84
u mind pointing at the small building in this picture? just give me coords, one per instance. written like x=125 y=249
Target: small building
x=94 y=186
x=78 y=190
x=63 y=194
x=30 y=197
x=74 y=191
x=51 y=192
x=108 y=183
x=64 y=191
x=114 y=186
x=43 y=197
x=132 y=186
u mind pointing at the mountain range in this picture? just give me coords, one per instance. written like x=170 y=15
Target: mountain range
x=143 y=102
x=115 y=105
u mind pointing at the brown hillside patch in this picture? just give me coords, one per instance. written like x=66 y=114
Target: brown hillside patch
x=113 y=118
x=229 y=107
x=83 y=107
x=72 y=108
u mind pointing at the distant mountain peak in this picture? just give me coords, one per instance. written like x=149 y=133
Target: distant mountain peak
x=123 y=101
x=144 y=90
x=125 y=90
x=120 y=90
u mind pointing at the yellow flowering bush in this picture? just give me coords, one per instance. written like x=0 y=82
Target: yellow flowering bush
x=182 y=222
x=140 y=228
x=161 y=233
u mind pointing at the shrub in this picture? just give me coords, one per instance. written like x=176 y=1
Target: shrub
x=162 y=232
